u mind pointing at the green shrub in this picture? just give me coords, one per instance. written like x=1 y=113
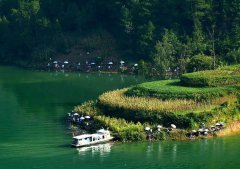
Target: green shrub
x=87 y=109
x=159 y=135
x=233 y=56
x=123 y=130
x=200 y=62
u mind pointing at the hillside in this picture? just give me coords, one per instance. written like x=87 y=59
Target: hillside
x=163 y=33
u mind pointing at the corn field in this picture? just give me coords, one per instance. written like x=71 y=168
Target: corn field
x=119 y=100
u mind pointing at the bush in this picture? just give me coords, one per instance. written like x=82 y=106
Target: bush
x=87 y=109
x=200 y=62
x=233 y=56
x=123 y=130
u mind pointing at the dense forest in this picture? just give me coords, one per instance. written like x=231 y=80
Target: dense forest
x=167 y=33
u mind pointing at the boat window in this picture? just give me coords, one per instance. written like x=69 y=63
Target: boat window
x=88 y=139
x=75 y=141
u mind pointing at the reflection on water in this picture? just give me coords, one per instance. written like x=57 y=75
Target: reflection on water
x=101 y=149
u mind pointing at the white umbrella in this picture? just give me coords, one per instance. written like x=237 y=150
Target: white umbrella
x=159 y=126
x=206 y=130
x=147 y=128
x=82 y=118
x=200 y=130
x=194 y=131
x=136 y=64
x=110 y=63
x=55 y=62
x=65 y=62
x=173 y=126
x=217 y=124
x=87 y=117
x=122 y=62
x=76 y=114
x=93 y=63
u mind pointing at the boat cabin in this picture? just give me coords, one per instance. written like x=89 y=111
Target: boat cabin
x=90 y=139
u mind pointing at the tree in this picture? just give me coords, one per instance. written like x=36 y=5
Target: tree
x=145 y=40
x=165 y=52
x=71 y=19
x=126 y=20
x=200 y=62
x=233 y=57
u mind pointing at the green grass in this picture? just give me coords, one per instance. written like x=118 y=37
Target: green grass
x=232 y=67
x=171 y=89
x=225 y=76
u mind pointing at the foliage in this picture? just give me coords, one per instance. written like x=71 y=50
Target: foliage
x=231 y=68
x=171 y=89
x=211 y=78
x=123 y=130
x=165 y=51
x=87 y=109
x=117 y=99
x=200 y=62
x=234 y=56
x=37 y=30
x=154 y=111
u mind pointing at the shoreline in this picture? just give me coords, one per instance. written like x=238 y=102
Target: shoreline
x=232 y=129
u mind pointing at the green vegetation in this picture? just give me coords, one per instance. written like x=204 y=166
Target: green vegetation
x=122 y=130
x=119 y=100
x=172 y=89
x=212 y=78
x=127 y=111
x=155 y=111
x=162 y=33
x=231 y=68
x=200 y=62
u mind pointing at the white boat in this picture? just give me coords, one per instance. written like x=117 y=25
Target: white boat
x=90 y=139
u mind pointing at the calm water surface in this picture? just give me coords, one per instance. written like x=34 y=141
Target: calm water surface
x=33 y=134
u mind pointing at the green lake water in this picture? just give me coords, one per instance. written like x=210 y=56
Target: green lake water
x=34 y=135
